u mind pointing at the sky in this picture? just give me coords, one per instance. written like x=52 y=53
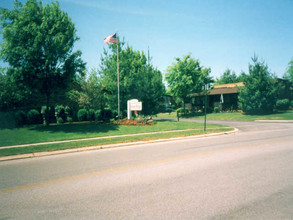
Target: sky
x=220 y=33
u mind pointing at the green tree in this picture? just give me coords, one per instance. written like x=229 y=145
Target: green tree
x=37 y=43
x=138 y=79
x=90 y=94
x=228 y=76
x=260 y=92
x=289 y=73
x=186 y=76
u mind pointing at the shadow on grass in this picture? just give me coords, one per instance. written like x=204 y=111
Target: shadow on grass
x=83 y=127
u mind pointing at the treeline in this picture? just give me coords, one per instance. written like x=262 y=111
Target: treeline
x=45 y=74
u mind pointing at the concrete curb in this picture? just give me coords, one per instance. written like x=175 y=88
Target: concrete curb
x=108 y=146
x=275 y=121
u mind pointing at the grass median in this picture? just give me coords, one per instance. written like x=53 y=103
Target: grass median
x=36 y=134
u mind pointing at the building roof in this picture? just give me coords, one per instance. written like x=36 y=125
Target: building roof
x=231 y=88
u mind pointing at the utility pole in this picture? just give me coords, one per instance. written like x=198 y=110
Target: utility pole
x=206 y=87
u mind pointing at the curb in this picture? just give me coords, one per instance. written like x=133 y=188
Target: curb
x=275 y=121
x=109 y=146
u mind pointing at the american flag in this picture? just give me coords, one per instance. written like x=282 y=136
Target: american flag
x=111 y=39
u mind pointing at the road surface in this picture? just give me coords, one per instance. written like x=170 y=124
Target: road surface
x=245 y=175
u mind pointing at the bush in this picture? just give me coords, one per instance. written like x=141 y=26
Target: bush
x=216 y=110
x=60 y=113
x=69 y=119
x=60 y=120
x=282 y=104
x=34 y=117
x=106 y=115
x=20 y=118
x=98 y=115
x=82 y=114
x=91 y=115
x=180 y=110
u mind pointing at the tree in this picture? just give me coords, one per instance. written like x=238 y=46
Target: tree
x=138 y=79
x=38 y=44
x=186 y=76
x=228 y=76
x=260 y=92
x=289 y=73
x=89 y=93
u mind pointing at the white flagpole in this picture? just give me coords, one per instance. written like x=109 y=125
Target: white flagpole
x=118 y=76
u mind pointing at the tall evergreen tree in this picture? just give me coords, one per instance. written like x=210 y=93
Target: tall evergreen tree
x=260 y=92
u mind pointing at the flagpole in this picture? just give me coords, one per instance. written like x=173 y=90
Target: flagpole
x=118 y=76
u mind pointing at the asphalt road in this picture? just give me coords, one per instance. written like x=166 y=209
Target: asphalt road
x=245 y=175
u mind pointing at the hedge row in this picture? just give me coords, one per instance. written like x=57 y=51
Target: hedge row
x=98 y=115
x=62 y=114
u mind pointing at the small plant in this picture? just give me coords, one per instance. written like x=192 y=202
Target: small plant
x=91 y=115
x=82 y=114
x=20 y=118
x=98 y=115
x=106 y=115
x=34 y=117
x=60 y=120
x=60 y=113
x=216 y=110
x=282 y=104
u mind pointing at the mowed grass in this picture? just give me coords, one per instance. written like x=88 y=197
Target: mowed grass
x=235 y=116
x=40 y=133
x=101 y=142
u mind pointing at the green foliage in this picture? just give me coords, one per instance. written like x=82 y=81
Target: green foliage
x=91 y=115
x=229 y=76
x=260 y=92
x=82 y=114
x=186 y=76
x=37 y=43
x=216 y=110
x=60 y=113
x=282 y=104
x=34 y=117
x=289 y=73
x=180 y=110
x=106 y=115
x=98 y=115
x=138 y=79
x=20 y=118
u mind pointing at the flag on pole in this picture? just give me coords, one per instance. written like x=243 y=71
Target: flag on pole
x=111 y=39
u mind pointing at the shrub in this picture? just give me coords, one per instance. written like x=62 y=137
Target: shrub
x=180 y=110
x=91 y=115
x=98 y=115
x=216 y=110
x=20 y=118
x=69 y=119
x=282 y=104
x=60 y=120
x=34 y=117
x=60 y=113
x=106 y=115
x=82 y=114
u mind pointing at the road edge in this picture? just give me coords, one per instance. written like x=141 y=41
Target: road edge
x=109 y=146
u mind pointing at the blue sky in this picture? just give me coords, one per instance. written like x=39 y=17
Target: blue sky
x=220 y=33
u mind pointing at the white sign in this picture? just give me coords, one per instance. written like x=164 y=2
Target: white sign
x=133 y=105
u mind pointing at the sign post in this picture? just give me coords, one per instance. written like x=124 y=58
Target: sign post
x=133 y=105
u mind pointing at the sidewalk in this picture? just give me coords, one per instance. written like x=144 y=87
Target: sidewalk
x=98 y=147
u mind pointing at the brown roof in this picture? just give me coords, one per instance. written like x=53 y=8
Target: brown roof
x=230 y=88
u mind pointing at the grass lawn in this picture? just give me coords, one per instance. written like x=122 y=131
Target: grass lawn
x=235 y=116
x=40 y=133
